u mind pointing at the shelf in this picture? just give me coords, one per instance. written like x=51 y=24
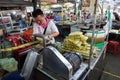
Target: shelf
x=6 y=25
x=45 y=73
x=76 y=75
x=75 y=28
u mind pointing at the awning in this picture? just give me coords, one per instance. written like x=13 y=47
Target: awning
x=12 y=3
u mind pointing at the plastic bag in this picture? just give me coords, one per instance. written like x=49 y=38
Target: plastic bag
x=9 y=64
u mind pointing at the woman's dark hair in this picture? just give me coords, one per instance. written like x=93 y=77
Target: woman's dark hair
x=37 y=12
x=29 y=14
x=74 y=13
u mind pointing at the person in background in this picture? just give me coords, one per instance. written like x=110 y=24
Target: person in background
x=88 y=16
x=44 y=26
x=57 y=17
x=30 y=19
x=52 y=16
x=84 y=16
x=64 y=15
x=21 y=22
x=74 y=17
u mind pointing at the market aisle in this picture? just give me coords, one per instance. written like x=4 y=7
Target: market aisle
x=107 y=69
x=112 y=67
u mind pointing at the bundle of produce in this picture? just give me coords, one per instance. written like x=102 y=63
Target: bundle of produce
x=76 y=42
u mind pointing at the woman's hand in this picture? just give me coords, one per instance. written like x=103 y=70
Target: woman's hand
x=47 y=37
x=53 y=35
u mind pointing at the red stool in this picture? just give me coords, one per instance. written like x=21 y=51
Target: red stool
x=112 y=47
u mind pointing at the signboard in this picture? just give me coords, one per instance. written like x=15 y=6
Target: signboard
x=29 y=9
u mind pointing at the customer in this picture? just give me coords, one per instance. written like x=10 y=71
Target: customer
x=57 y=17
x=30 y=19
x=74 y=17
x=44 y=26
x=21 y=22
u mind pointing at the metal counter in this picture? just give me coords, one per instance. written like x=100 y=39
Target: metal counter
x=83 y=71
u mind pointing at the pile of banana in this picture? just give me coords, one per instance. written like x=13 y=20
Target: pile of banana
x=76 y=42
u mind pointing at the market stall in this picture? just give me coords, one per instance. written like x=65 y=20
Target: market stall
x=9 y=27
x=84 y=68
x=71 y=60
x=78 y=68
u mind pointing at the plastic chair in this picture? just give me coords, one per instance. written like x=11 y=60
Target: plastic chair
x=112 y=47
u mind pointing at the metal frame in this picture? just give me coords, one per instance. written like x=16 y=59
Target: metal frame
x=66 y=63
x=4 y=24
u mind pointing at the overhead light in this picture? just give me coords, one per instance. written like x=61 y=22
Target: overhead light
x=56 y=5
x=14 y=12
x=37 y=5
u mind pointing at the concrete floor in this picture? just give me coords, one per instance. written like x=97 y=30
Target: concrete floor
x=107 y=69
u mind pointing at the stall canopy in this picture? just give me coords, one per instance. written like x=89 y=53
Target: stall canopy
x=11 y=3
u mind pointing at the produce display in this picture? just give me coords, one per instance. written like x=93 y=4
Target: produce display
x=76 y=42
